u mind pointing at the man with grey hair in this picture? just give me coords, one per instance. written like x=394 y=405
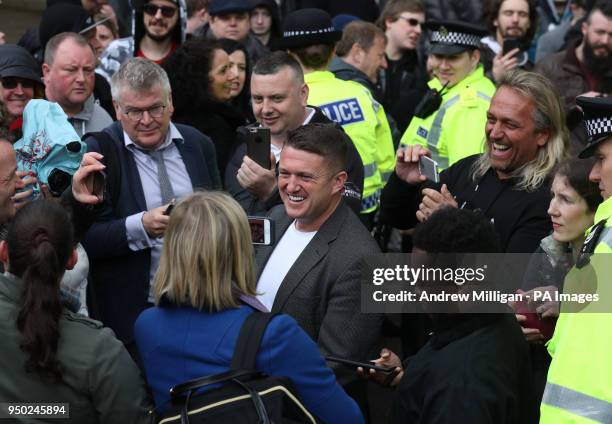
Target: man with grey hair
x=68 y=74
x=150 y=162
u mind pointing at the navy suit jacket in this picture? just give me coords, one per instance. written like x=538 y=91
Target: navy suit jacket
x=119 y=275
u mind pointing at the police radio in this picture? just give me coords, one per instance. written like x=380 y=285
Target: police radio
x=430 y=102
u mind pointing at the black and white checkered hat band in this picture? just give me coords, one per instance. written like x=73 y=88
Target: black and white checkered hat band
x=598 y=126
x=308 y=32
x=455 y=38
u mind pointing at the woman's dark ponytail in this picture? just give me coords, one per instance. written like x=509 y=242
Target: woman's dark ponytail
x=40 y=242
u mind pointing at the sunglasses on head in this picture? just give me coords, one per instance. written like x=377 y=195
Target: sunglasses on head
x=11 y=82
x=411 y=21
x=166 y=11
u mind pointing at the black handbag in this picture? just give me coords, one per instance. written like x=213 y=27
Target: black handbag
x=242 y=394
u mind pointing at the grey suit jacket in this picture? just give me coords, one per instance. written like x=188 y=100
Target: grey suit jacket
x=322 y=290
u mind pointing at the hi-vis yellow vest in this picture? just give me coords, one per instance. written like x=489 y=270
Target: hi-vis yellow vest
x=457 y=129
x=579 y=382
x=351 y=105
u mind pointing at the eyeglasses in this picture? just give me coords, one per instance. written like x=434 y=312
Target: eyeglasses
x=151 y=10
x=136 y=115
x=11 y=82
x=411 y=21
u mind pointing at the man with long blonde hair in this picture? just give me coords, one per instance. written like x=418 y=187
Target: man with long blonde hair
x=526 y=137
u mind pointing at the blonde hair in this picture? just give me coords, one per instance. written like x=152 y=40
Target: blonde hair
x=207 y=258
x=548 y=114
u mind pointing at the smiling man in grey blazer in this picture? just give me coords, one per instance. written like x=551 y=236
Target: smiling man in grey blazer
x=312 y=272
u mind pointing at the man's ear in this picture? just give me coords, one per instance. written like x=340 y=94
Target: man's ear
x=45 y=71
x=72 y=260
x=4 y=253
x=170 y=104
x=338 y=182
x=304 y=94
x=357 y=53
x=117 y=110
x=388 y=22
x=542 y=137
x=475 y=58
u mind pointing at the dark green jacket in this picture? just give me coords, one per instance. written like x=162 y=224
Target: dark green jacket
x=100 y=383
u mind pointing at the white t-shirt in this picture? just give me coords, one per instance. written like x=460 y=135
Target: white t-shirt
x=288 y=249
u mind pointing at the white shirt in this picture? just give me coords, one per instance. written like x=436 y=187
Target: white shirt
x=137 y=237
x=286 y=252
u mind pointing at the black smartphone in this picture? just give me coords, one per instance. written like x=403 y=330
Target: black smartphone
x=99 y=183
x=168 y=210
x=511 y=44
x=364 y=365
x=262 y=230
x=258 y=146
x=429 y=168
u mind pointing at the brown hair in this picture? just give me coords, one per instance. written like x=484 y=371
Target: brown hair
x=394 y=8
x=40 y=242
x=360 y=32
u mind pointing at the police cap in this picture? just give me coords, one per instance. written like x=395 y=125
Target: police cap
x=307 y=27
x=597 y=121
x=454 y=37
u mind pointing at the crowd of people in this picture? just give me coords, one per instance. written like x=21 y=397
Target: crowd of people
x=129 y=172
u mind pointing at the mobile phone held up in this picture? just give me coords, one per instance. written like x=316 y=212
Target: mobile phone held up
x=511 y=44
x=429 y=168
x=262 y=230
x=258 y=146
x=355 y=364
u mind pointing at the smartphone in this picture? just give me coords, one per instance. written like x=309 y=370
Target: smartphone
x=262 y=230
x=258 y=146
x=511 y=44
x=546 y=326
x=168 y=210
x=99 y=183
x=429 y=168
x=364 y=365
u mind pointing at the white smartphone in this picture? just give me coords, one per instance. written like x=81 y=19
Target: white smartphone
x=262 y=230
x=429 y=168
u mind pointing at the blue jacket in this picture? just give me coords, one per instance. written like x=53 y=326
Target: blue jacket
x=177 y=344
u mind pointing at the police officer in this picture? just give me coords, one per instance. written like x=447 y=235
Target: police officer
x=309 y=36
x=450 y=118
x=579 y=382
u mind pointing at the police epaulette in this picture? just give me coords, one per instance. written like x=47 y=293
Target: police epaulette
x=92 y=323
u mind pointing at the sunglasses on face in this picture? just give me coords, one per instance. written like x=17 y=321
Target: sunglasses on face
x=411 y=21
x=11 y=82
x=166 y=11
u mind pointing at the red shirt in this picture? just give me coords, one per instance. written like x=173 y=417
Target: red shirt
x=173 y=48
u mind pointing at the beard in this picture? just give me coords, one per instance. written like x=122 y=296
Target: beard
x=159 y=37
x=596 y=64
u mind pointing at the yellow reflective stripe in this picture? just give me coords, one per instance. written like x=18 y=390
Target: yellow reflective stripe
x=606 y=236
x=370 y=170
x=577 y=403
x=483 y=96
x=433 y=138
